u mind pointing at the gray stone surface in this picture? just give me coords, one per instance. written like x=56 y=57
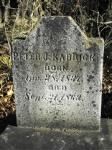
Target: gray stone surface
x=15 y=138
x=57 y=75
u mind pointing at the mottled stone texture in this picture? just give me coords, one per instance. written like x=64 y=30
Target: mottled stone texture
x=57 y=75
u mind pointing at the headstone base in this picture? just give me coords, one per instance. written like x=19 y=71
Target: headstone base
x=30 y=139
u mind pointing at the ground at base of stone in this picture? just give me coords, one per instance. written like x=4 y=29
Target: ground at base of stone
x=18 y=138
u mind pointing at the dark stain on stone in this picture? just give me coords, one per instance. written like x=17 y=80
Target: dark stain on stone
x=55 y=117
x=83 y=43
x=90 y=88
x=93 y=102
x=56 y=113
x=79 y=34
x=78 y=105
x=64 y=130
x=90 y=78
x=94 y=105
x=16 y=66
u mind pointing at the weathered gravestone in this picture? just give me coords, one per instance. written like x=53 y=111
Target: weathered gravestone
x=57 y=75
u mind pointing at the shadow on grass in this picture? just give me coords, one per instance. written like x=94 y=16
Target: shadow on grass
x=107 y=105
x=10 y=120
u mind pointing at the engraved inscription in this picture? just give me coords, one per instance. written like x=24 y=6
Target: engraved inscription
x=55 y=68
x=54 y=99
x=47 y=77
x=60 y=57
x=57 y=87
